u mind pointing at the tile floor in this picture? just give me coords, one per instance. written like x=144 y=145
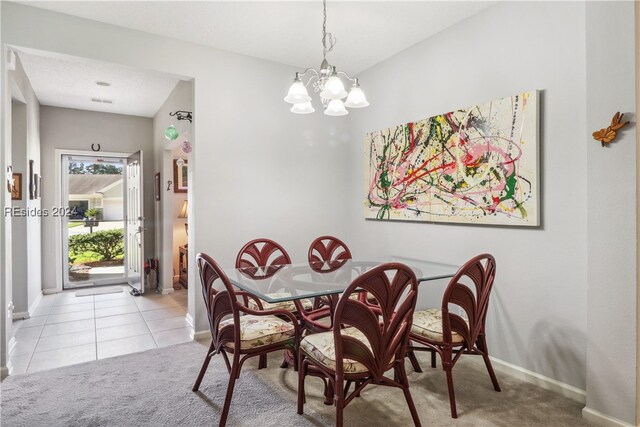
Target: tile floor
x=66 y=329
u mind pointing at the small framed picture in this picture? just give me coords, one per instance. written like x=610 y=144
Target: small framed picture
x=156 y=186
x=180 y=176
x=16 y=190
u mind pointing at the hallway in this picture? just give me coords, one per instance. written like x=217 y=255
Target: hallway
x=67 y=330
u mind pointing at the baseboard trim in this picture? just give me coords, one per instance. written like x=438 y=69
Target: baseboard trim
x=166 y=291
x=201 y=335
x=190 y=322
x=21 y=315
x=34 y=305
x=4 y=372
x=11 y=345
x=50 y=291
x=566 y=390
x=601 y=419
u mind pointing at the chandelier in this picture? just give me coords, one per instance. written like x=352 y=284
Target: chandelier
x=327 y=82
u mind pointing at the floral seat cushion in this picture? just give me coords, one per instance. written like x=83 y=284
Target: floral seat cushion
x=428 y=323
x=256 y=331
x=321 y=348
x=284 y=305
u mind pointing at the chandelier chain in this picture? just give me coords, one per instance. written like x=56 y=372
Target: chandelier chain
x=325 y=35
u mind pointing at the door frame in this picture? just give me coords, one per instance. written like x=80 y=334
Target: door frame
x=59 y=152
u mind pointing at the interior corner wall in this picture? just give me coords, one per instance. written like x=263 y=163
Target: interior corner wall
x=66 y=128
x=537 y=315
x=19 y=223
x=5 y=202
x=611 y=212
x=256 y=169
x=26 y=241
x=167 y=236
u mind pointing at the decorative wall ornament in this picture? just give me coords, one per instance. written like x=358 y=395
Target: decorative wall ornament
x=605 y=136
x=186 y=147
x=477 y=165
x=171 y=133
x=182 y=115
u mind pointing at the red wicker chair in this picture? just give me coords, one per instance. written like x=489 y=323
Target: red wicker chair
x=237 y=329
x=370 y=340
x=262 y=258
x=450 y=335
x=328 y=253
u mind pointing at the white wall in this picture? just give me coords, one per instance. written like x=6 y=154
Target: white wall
x=611 y=213
x=26 y=230
x=65 y=128
x=538 y=313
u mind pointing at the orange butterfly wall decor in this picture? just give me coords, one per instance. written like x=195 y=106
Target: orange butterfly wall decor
x=605 y=136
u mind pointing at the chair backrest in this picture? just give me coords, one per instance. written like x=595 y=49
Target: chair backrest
x=481 y=271
x=386 y=324
x=261 y=258
x=219 y=303
x=328 y=253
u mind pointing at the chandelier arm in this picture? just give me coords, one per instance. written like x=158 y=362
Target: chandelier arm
x=308 y=70
x=315 y=76
x=347 y=76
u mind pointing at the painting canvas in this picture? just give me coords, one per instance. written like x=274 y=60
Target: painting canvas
x=477 y=165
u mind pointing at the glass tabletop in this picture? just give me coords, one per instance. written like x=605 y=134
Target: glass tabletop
x=296 y=281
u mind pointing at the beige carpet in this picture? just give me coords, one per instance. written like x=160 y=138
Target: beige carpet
x=519 y=404
x=154 y=389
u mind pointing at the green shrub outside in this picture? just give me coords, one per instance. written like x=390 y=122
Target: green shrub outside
x=108 y=244
x=93 y=213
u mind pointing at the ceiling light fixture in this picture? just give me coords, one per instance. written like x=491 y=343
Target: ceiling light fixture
x=327 y=82
x=102 y=83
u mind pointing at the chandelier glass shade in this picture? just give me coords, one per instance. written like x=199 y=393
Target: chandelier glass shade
x=327 y=81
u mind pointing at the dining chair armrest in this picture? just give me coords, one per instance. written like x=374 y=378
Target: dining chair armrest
x=246 y=296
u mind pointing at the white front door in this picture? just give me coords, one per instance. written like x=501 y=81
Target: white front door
x=134 y=223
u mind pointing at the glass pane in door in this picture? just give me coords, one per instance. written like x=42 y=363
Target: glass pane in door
x=94 y=227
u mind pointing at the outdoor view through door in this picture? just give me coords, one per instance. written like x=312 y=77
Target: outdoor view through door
x=94 y=229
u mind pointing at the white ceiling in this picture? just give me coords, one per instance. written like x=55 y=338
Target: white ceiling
x=71 y=83
x=288 y=32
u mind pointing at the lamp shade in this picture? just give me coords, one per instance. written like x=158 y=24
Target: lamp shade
x=302 y=108
x=333 y=88
x=184 y=211
x=336 y=108
x=171 y=133
x=356 y=98
x=297 y=93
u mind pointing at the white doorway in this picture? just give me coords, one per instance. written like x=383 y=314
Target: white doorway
x=93 y=244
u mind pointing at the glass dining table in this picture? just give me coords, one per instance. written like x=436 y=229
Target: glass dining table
x=290 y=282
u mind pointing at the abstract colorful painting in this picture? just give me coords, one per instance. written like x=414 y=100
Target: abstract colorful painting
x=477 y=165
